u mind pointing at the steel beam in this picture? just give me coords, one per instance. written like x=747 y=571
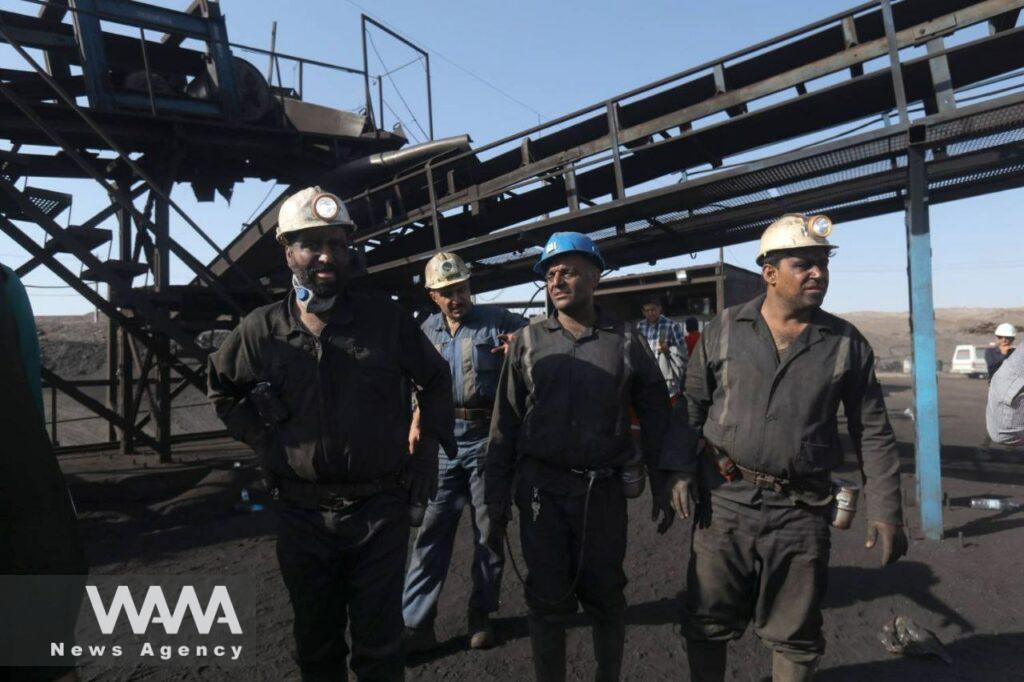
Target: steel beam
x=96 y=406
x=162 y=279
x=922 y=325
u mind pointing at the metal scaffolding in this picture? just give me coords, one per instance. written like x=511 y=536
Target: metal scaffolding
x=885 y=107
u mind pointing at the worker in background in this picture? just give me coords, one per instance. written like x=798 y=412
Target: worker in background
x=1004 y=415
x=316 y=385
x=764 y=386
x=692 y=334
x=38 y=525
x=472 y=339
x=665 y=338
x=996 y=355
x=561 y=430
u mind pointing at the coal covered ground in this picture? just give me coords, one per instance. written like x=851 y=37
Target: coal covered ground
x=140 y=517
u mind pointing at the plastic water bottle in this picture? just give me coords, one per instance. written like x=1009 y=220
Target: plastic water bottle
x=247 y=505
x=994 y=504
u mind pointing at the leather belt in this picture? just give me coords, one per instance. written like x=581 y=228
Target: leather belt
x=765 y=481
x=761 y=479
x=472 y=414
x=331 y=495
x=595 y=473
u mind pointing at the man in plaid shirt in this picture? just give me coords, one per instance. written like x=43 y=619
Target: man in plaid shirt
x=662 y=334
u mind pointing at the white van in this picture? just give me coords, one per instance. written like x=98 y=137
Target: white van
x=970 y=360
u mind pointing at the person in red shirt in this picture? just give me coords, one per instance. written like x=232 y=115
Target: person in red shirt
x=692 y=333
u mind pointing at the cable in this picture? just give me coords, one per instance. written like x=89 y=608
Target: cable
x=540 y=288
x=46 y=286
x=266 y=196
x=466 y=71
x=399 y=68
x=395 y=86
x=591 y=477
x=398 y=118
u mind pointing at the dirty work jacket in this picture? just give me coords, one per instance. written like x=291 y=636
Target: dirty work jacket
x=345 y=392
x=473 y=366
x=563 y=403
x=28 y=340
x=780 y=417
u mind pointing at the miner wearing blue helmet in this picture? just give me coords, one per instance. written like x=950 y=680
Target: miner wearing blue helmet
x=561 y=427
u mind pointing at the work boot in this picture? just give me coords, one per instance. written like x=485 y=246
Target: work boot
x=419 y=640
x=481 y=633
x=787 y=670
x=609 y=640
x=547 y=641
x=707 y=660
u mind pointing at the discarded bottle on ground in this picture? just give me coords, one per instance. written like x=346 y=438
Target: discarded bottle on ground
x=247 y=505
x=994 y=503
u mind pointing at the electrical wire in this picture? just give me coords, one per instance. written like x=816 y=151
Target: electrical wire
x=463 y=69
x=406 y=128
x=395 y=86
x=248 y=221
x=579 y=562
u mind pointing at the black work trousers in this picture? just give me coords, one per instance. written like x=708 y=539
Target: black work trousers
x=760 y=564
x=552 y=536
x=343 y=567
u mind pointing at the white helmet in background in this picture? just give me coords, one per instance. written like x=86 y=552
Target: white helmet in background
x=445 y=269
x=1006 y=330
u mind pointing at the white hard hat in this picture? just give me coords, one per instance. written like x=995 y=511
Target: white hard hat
x=445 y=269
x=1006 y=329
x=795 y=231
x=309 y=208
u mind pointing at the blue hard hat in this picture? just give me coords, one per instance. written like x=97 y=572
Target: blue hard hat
x=561 y=243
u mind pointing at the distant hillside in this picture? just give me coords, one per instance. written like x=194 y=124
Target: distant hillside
x=889 y=333
x=75 y=346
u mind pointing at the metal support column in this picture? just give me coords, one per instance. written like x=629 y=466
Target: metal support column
x=922 y=326
x=125 y=367
x=162 y=280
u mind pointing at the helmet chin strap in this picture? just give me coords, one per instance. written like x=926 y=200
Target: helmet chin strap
x=308 y=301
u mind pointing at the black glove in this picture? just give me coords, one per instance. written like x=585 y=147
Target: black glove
x=661 y=512
x=498 y=515
x=421 y=472
x=894 y=540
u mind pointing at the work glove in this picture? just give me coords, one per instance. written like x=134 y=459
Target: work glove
x=661 y=512
x=894 y=540
x=266 y=443
x=680 y=491
x=421 y=472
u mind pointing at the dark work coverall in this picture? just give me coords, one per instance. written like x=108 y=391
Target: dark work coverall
x=760 y=555
x=562 y=409
x=38 y=529
x=347 y=399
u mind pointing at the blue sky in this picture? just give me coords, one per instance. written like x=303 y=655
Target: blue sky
x=550 y=58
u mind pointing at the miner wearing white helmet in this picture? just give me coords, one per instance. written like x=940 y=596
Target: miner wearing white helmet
x=1003 y=347
x=763 y=386
x=472 y=339
x=317 y=384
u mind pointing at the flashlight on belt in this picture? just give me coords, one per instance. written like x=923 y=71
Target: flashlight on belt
x=844 y=502
x=727 y=468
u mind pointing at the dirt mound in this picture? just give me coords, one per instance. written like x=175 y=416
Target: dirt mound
x=73 y=346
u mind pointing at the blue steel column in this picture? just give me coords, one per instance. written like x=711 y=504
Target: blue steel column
x=922 y=326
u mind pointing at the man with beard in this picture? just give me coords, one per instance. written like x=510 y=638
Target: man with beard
x=764 y=384
x=317 y=385
x=561 y=425
x=472 y=339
